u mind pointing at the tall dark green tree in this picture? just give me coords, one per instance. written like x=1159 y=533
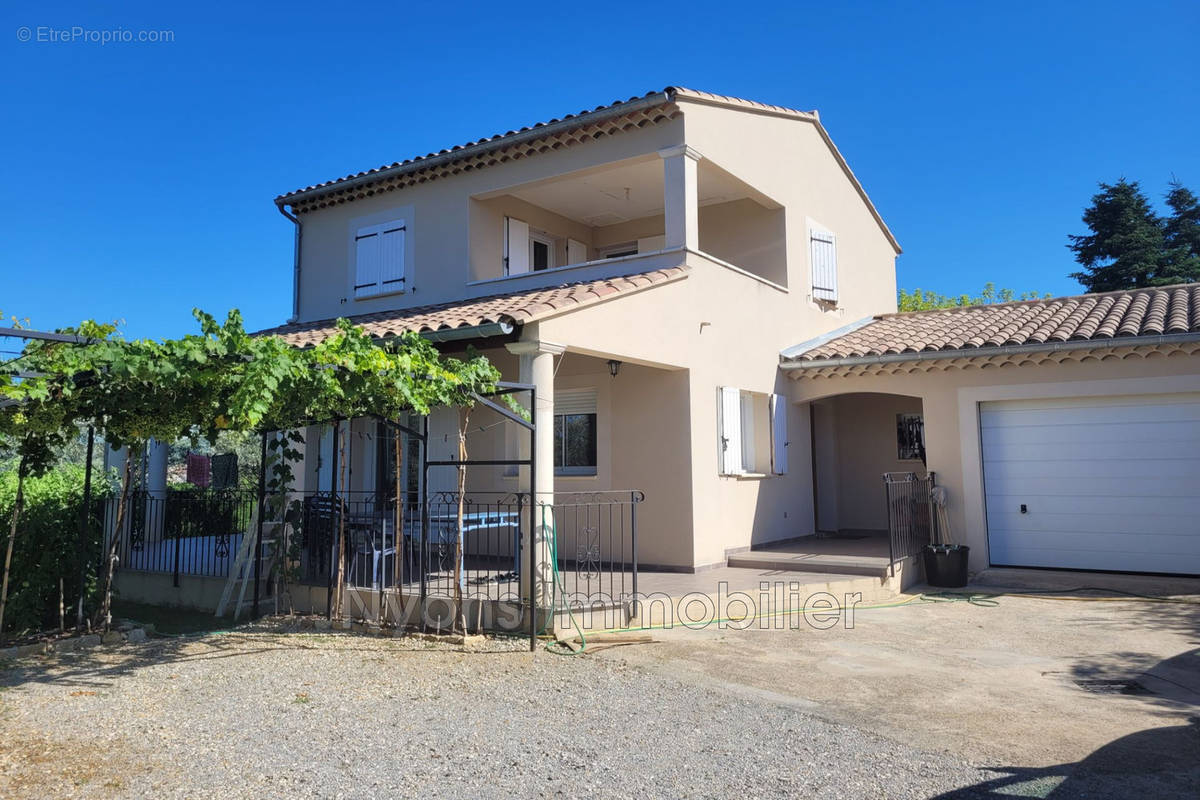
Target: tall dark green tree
x=1181 y=235
x=1125 y=249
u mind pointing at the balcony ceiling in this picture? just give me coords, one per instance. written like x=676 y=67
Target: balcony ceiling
x=620 y=193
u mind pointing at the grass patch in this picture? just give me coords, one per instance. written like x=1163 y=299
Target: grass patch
x=302 y=698
x=169 y=620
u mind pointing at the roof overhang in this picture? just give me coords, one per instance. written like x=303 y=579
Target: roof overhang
x=1018 y=354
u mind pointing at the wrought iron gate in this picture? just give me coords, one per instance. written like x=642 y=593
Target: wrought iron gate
x=911 y=517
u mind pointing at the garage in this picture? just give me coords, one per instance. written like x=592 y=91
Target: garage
x=1094 y=483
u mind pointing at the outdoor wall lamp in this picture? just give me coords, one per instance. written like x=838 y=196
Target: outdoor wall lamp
x=614 y=367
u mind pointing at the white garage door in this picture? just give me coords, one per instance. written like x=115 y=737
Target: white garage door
x=1104 y=483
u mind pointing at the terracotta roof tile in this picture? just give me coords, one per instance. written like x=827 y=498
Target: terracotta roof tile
x=1096 y=317
x=515 y=308
x=489 y=144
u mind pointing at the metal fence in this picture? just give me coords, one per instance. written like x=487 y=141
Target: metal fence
x=183 y=533
x=911 y=517
x=591 y=538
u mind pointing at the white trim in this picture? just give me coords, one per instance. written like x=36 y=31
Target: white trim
x=541 y=237
x=596 y=263
x=680 y=150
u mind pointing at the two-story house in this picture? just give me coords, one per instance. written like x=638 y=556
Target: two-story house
x=643 y=264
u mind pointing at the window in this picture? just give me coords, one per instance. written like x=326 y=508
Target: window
x=752 y=437
x=910 y=437
x=379 y=259
x=575 y=432
x=541 y=251
x=824 y=266
x=619 y=250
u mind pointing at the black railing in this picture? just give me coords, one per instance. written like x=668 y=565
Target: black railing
x=911 y=517
x=590 y=536
x=183 y=533
x=595 y=545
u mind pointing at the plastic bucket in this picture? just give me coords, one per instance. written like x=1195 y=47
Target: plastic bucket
x=946 y=565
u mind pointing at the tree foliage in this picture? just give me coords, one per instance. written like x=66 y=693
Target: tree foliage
x=220 y=379
x=49 y=548
x=1130 y=246
x=923 y=300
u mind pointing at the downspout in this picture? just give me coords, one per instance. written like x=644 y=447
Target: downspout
x=295 y=261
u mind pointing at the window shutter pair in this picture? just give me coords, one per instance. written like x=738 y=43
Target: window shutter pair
x=733 y=436
x=824 y=266
x=379 y=259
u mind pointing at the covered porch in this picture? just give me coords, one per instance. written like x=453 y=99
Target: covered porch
x=871 y=501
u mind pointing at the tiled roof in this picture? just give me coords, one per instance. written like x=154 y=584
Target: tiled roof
x=647 y=109
x=515 y=308
x=1088 y=317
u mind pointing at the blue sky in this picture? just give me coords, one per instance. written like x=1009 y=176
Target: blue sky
x=139 y=178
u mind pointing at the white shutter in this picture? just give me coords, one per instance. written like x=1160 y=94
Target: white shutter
x=575 y=401
x=366 y=263
x=516 y=246
x=391 y=257
x=379 y=259
x=749 y=461
x=824 y=266
x=730 y=431
x=576 y=252
x=779 y=440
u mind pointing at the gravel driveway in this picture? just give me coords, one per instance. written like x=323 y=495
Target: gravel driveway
x=271 y=713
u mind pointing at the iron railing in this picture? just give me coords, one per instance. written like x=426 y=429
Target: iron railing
x=911 y=517
x=183 y=533
x=591 y=537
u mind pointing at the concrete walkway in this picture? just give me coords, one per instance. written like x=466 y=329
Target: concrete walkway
x=865 y=554
x=1094 y=695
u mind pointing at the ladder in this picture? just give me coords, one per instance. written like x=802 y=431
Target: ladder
x=241 y=574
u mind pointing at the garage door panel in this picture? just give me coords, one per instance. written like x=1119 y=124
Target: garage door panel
x=1130 y=543
x=1093 y=560
x=1019 y=484
x=1172 y=524
x=1178 y=448
x=1105 y=435
x=1108 y=483
x=1087 y=468
x=1085 y=411
x=1095 y=504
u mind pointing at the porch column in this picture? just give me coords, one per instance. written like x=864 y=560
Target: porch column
x=537 y=367
x=680 y=196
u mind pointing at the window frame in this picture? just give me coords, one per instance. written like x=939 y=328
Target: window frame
x=363 y=291
x=576 y=402
x=622 y=250
x=541 y=237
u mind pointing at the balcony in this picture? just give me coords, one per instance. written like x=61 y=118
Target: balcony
x=625 y=217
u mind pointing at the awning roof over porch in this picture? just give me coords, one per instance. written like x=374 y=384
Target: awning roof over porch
x=1130 y=317
x=516 y=308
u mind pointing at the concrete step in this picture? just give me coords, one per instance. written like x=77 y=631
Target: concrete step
x=811 y=562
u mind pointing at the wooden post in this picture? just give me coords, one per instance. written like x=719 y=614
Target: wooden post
x=85 y=514
x=460 y=620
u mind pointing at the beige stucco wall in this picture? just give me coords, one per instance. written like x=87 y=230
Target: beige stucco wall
x=865 y=449
x=721 y=326
x=441 y=249
x=951 y=399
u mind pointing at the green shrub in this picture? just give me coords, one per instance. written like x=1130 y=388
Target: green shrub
x=48 y=546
